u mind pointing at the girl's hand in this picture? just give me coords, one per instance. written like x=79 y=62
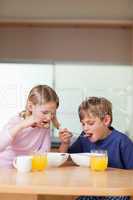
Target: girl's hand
x=31 y=121
x=28 y=122
x=65 y=136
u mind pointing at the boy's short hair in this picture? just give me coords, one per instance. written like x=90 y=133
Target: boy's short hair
x=97 y=106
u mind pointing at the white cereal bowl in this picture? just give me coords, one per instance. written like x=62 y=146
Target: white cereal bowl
x=56 y=159
x=81 y=159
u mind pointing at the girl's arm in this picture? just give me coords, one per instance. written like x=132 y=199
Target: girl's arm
x=13 y=127
x=25 y=123
x=5 y=134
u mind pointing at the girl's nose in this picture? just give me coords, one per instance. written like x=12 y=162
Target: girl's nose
x=49 y=116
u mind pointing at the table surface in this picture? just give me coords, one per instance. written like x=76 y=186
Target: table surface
x=67 y=180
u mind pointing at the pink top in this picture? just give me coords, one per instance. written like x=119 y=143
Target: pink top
x=26 y=142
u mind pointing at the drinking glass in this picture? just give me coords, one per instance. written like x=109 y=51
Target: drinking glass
x=39 y=162
x=99 y=160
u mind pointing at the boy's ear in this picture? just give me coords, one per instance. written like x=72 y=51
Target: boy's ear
x=107 y=120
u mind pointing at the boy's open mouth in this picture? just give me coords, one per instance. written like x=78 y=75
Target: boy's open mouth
x=88 y=135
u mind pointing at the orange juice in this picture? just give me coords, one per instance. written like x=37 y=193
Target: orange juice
x=39 y=162
x=99 y=162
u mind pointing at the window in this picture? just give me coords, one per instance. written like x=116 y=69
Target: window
x=73 y=82
x=76 y=82
x=16 y=80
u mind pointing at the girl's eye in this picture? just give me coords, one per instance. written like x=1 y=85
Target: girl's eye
x=46 y=112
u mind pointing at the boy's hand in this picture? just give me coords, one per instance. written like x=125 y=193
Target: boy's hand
x=65 y=136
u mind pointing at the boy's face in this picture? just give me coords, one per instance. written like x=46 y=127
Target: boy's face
x=95 y=128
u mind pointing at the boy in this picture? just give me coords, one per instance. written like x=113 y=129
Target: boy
x=96 y=117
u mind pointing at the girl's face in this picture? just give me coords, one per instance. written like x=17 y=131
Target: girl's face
x=95 y=128
x=44 y=113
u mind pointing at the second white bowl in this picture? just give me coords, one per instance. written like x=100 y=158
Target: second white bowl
x=81 y=159
x=56 y=159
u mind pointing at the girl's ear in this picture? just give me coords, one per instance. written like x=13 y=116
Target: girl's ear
x=107 y=120
x=29 y=106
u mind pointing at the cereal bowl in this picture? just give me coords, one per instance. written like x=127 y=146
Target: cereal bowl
x=81 y=159
x=56 y=159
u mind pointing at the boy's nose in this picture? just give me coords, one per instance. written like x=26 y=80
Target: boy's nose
x=86 y=127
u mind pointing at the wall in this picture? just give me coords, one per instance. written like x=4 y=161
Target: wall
x=67 y=44
x=132 y=46
x=81 y=9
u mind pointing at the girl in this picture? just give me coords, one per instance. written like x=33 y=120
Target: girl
x=29 y=131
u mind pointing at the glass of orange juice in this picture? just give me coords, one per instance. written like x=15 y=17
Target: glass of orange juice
x=39 y=162
x=98 y=160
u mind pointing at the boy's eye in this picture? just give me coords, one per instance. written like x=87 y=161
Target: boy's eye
x=88 y=123
x=91 y=123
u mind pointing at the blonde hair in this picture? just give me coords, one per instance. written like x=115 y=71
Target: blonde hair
x=97 y=106
x=41 y=94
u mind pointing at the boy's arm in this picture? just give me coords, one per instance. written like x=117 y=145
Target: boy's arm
x=65 y=139
x=76 y=147
x=64 y=147
x=127 y=153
